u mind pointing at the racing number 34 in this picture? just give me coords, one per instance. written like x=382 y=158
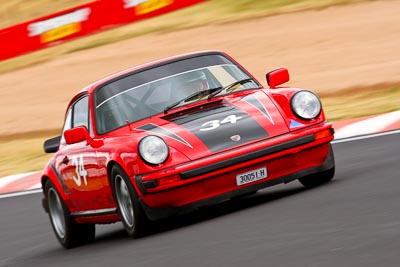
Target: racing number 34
x=79 y=170
x=214 y=124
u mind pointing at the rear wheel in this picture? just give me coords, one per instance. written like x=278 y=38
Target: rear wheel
x=132 y=216
x=68 y=233
x=317 y=178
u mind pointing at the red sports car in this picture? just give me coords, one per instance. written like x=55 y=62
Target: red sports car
x=176 y=134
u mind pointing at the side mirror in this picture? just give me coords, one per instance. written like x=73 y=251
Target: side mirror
x=277 y=77
x=76 y=135
x=52 y=145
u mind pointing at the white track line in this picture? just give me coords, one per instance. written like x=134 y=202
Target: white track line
x=22 y=193
x=36 y=186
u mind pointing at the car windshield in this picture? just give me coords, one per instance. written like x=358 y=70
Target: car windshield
x=150 y=91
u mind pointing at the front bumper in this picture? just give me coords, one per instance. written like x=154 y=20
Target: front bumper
x=202 y=183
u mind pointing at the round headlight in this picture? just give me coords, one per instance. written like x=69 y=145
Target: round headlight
x=153 y=150
x=306 y=105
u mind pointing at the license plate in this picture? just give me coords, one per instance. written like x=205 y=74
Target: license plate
x=251 y=176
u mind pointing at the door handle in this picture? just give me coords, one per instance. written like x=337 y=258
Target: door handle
x=65 y=160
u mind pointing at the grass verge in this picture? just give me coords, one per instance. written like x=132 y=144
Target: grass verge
x=22 y=155
x=361 y=102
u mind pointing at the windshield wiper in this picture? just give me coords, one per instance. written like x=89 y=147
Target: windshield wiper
x=229 y=86
x=210 y=92
x=193 y=96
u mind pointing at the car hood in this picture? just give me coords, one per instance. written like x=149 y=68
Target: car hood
x=221 y=124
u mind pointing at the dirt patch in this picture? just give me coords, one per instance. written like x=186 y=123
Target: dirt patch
x=326 y=51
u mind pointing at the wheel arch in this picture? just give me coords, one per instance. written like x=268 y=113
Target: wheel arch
x=130 y=174
x=50 y=174
x=43 y=181
x=110 y=165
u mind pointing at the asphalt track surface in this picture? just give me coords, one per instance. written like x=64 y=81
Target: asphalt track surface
x=352 y=221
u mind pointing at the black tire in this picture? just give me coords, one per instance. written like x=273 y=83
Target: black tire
x=131 y=213
x=317 y=179
x=244 y=195
x=68 y=233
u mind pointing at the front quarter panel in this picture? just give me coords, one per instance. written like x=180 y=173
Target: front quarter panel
x=122 y=150
x=281 y=98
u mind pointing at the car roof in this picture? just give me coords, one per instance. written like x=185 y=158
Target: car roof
x=91 y=87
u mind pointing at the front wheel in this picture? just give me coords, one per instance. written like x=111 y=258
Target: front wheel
x=244 y=195
x=68 y=233
x=129 y=209
x=317 y=179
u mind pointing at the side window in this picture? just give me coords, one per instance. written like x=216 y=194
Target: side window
x=78 y=115
x=81 y=113
x=67 y=125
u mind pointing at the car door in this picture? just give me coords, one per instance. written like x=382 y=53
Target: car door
x=78 y=162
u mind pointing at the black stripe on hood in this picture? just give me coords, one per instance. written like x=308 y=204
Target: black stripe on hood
x=222 y=127
x=160 y=130
x=255 y=102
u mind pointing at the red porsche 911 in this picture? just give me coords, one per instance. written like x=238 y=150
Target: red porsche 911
x=176 y=134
